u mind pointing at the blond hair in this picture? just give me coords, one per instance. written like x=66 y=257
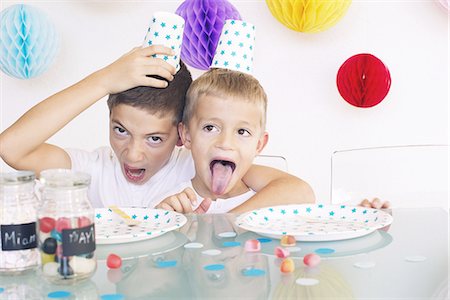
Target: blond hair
x=226 y=84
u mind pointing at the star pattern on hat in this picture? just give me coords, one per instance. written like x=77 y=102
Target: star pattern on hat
x=166 y=30
x=235 y=46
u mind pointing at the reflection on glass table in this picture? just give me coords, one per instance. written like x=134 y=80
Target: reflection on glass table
x=206 y=259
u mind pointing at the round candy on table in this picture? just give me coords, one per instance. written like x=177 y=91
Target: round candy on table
x=287 y=265
x=49 y=246
x=113 y=261
x=62 y=223
x=287 y=241
x=46 y=224
x=311 y=259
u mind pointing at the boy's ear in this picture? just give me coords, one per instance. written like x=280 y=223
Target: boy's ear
x=180 y=141
x=262 y=142
x=184 y=135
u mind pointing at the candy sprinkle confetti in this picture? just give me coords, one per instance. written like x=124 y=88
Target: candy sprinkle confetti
x=324 y=251
x=59 y=294
x=364 y=264
x=227 y=234
x=415 y=258
x=193 y=246
x=112 y=297
x=231 y=244
x=212 y=252
x=306 y=281
x=216 y=267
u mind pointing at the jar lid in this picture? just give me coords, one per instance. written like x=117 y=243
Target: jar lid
x=16 y=177
x=64 y=178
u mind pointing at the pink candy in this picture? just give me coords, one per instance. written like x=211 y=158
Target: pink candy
x=113 y=261
x=252 y=246
x=83 y=222
x=281 y=252
x=62 y=223
x=311 y=260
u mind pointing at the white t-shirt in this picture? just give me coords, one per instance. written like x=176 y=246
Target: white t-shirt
x=219 y=205
x=109 y=186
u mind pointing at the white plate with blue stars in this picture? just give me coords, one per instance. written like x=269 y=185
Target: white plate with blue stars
x=111 y=229
x=314 y=222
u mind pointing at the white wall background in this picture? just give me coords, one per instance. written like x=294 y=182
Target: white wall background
x=307 y=118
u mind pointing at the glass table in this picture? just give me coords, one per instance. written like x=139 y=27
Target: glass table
x=203 y=260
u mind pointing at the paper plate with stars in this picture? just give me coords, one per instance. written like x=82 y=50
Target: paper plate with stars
x=111 y=229
x=314 y=222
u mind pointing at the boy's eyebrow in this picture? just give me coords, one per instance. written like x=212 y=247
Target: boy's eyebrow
x=147 y=134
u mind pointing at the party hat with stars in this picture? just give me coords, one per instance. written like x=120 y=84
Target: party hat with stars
x=166 y=29
x=235 y=48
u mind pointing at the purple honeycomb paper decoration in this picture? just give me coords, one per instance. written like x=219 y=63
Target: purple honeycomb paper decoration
x=204 y=22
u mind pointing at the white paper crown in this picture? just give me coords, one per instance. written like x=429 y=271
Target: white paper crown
x=166 y=29
x=235 y=48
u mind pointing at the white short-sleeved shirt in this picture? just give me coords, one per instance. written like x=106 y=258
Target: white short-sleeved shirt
x=109 y=186
x=219 y=205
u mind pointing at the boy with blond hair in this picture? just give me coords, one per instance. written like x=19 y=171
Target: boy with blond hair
x=224 y=127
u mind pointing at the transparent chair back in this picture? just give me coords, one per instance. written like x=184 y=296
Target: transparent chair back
x=406 y=176
x=274 y=161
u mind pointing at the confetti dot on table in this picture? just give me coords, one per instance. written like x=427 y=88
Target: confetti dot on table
x=166 y=263
x=112 y=297
x=1 y=290
x=216 y=267
x=193 y=246
x=253 y=272
x=264 y=240
x=231 y=244
x=306 y=281
x=415 y=258
x=294 y=249
x=59 y=294
x=227 y=234
x=212 y=252
x=324 y=251
x=364 y=264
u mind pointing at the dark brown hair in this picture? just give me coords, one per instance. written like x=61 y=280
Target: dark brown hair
x=160 y=101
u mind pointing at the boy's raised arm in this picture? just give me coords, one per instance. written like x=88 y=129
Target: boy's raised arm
x=274 y=187
x=22 y=145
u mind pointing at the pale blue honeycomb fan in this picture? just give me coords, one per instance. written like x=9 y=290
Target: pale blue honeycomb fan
x=28 y=41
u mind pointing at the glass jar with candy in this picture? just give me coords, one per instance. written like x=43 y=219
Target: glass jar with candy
x=66 y=227
x=18 y=239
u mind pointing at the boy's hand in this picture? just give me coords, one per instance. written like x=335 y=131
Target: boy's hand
x=132 y=68
x=375 y=203
x=184 y=202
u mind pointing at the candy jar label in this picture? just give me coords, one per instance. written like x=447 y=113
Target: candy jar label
x=78 y=241
x=18 y=236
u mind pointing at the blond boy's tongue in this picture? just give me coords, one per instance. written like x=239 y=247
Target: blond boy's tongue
x=221 y=176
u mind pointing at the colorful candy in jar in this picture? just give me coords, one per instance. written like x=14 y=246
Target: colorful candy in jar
x=66 y=227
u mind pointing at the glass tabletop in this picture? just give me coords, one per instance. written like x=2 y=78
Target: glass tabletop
x=207 y=259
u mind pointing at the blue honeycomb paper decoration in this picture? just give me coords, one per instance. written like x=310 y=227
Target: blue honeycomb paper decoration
x=28 y=41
